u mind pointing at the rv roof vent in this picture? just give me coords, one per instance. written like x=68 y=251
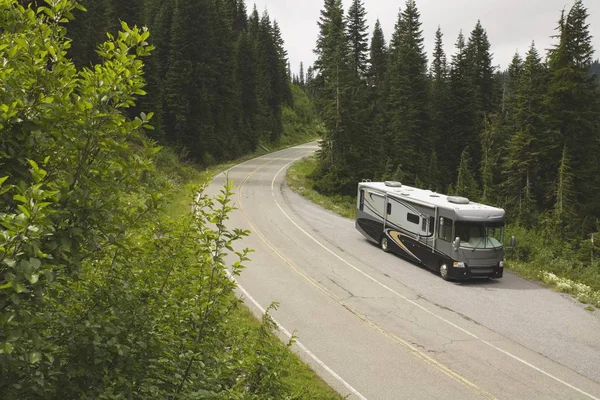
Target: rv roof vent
x=458 y=200
x=393 y=184
x=434 y=195
x=405 y=194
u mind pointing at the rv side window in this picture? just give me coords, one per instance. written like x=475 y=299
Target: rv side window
x=431 y=225
x=424 y=224
x=413 y=218
x=362 y=200
x=445 y=229
x=389 y=208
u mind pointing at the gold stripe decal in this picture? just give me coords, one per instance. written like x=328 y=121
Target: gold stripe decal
x=396 y=237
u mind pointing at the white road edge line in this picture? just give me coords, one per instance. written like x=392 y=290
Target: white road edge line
x=413 y=302
x=296 y=342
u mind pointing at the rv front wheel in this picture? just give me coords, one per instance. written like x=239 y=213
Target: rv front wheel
x=444 y=272
x=384 y=244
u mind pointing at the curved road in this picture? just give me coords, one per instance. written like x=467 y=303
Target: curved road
x=377 y=327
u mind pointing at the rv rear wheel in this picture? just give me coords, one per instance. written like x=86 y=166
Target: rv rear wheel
x=384 y=244
x=444 y=272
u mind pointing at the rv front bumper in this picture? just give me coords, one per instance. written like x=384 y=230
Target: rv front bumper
x=467 y=272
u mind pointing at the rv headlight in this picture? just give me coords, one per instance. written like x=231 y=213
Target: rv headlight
x=459 y=264
x=501 y=264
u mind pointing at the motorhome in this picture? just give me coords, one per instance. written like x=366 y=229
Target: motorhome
x=450 y=235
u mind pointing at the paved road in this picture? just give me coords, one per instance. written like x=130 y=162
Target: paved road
x=377 y=327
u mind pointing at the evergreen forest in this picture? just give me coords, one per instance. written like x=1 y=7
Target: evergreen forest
x=217 y=80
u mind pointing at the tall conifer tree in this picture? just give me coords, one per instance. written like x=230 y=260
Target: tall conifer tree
x=462 y=111
x=438 y=101
x=480 y=69
x=522 y=162
x=378 y=59
x=409 y=92
x=357 y=32
x=573 y=108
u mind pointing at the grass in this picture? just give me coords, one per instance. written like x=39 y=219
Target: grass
x=559 y=273
x=303 y=382
x=298 y=179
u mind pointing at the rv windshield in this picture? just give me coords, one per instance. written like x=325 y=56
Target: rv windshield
x=476 y=235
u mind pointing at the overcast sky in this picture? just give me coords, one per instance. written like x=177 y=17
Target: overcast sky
x=511 y=24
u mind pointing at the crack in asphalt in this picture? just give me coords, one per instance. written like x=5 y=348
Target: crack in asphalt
x=343 y=288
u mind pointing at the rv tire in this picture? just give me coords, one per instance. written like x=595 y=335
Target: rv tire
x=384 y=244
x=443 y=270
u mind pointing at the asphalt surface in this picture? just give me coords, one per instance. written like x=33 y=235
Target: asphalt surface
x=375 y=326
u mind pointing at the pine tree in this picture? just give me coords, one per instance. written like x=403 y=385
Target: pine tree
x=333 y=65
x=439 y=92
x=373 y=105
x=240 y=22
x=378 y=59
x=573 y=108
x=522 y=161
x=409 y=91
x=356 y=32
x=510 y=88
x=490 y=156
x=466 y=184
x=462 y=112
x=283 y=76
x=479 y=60
x=273 y=80
x=341 y=97
x=301 y=79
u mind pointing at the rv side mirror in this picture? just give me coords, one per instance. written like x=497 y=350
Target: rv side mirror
x=513 y=242
x=456 y=244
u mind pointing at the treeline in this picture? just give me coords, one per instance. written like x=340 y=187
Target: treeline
x=217 y=80
x=527 y=140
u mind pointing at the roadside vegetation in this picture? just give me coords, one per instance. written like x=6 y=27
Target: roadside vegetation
x=110 y=288
x=300 y=178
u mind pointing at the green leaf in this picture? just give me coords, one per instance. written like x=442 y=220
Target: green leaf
x=6 y=348
x=19 y=288
x=24 y=210
x=20 y=198
x=3 y=179
x=35 y=263
x=6 y=286
x=35 y=357
x=33 y=165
